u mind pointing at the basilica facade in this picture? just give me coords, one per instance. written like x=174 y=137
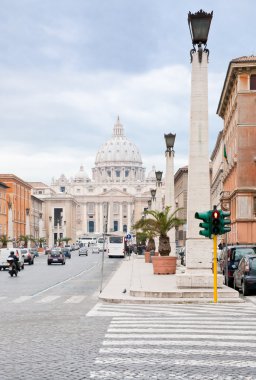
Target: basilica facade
x=111 y=200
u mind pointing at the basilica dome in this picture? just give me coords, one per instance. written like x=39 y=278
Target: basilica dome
x=118 y=149
x=118 y=159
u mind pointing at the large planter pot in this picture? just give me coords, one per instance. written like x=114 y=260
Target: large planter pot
x=164 y=264
x=148 y=256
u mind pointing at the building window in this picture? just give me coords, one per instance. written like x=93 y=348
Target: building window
x=253 y=82
x=126 y=173
x=118 y=173
x=124 y=190
x=116 y=208
x=124 y=228
x=91 y=226
x=104 y=190
x=62 y=189
x=90 y=208
x=115 y=225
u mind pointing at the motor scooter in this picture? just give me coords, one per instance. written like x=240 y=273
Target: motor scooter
x=12 y=267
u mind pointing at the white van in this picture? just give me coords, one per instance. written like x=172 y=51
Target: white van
x=5 y=253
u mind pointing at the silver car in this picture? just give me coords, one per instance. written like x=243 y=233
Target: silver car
x=83 y=251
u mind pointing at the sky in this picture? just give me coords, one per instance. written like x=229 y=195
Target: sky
x=68 y=68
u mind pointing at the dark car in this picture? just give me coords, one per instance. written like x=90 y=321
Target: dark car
x=55 y=257
x=245 y=275
x=230 y=257
x=67 y=252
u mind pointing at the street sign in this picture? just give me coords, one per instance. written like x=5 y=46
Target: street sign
x=128 y=237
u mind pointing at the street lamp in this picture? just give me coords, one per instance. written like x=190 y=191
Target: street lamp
x=153 y=193
x=169 y=141
x=199 y=26
x=159 y=176
x=169 y=184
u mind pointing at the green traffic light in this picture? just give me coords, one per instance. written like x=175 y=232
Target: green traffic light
x=206 y=225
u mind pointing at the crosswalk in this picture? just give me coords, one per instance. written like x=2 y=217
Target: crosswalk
x=177 y=341
x=74 y=299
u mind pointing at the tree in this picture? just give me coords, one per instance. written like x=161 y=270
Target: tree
x=41 y=241
x=4 y=240
x=159 y=224
x=25 y=239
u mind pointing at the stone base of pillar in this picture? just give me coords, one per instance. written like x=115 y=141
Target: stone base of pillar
x=198 y=279
x=10 y=244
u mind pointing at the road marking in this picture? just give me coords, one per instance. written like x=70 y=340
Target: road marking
x=75 y=299
x=48 y=299
x=21 y=299
x=64 y=281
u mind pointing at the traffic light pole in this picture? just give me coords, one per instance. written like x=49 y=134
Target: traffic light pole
x=215 y=292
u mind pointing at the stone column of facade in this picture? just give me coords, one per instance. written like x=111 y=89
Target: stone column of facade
x=27 y=226
x=110 y=209
x=121 y=217
x=84 y=219
x=169 y=195
x=129 y=217
x=100 y=218
x=10 y=226
x=198 y=249
x=158 y=202
x=96 y=219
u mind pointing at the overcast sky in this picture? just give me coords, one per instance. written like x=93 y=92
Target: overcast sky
x=68 y=68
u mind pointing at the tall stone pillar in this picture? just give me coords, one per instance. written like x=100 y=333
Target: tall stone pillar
x=198 y=248
x=129 y=217
x=121 y=217
x=100 y=218
x=41 y=226
x=50 y=233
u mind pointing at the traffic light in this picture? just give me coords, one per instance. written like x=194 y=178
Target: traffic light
x=224 y=222
x=206 y=225
x=216 y=222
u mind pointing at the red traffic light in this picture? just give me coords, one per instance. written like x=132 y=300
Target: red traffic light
x=215 y=214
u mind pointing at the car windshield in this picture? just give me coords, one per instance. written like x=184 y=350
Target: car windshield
x=239 y=253
x=55 y=253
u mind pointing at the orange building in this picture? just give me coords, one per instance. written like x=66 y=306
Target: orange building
x=237 y=108
x=18 y=196
x=3 y=209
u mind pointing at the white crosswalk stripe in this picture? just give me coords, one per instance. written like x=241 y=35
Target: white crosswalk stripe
x=75 y=299
x=22 y=299
x=48 y=299
x=212 y=340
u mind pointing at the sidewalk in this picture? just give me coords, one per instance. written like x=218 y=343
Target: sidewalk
x=134 y=282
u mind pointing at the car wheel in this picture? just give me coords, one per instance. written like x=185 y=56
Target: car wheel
x=32 y=262
x=49 y=263
x=244 y=289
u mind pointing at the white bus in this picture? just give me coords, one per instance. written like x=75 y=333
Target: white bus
x=87 y=241
x=115 y=246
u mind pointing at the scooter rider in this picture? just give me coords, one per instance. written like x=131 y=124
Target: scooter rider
x=15 y=259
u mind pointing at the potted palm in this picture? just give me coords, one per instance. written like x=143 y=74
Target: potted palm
x=4 y=240
x=160 y=223
x=146 y=236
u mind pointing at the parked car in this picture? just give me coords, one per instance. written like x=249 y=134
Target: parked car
x=55 y=257
x=245 y=274
x=28 y=255
x=230 y=257
x=83 y=251
x=67 y=252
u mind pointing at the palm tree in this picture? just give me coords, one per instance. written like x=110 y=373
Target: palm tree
x=159 y=224
x=4 y=240
x=26 y=239
x=41 y=241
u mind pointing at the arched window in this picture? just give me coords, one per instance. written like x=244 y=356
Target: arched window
x=115 y=225
x=124 y=228
x=253 y=82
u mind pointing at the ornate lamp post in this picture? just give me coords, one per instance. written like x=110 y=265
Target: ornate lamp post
x=159 y=190
x=169 y=184
x=27 y=227
x=50 y=232
x=198 y=249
